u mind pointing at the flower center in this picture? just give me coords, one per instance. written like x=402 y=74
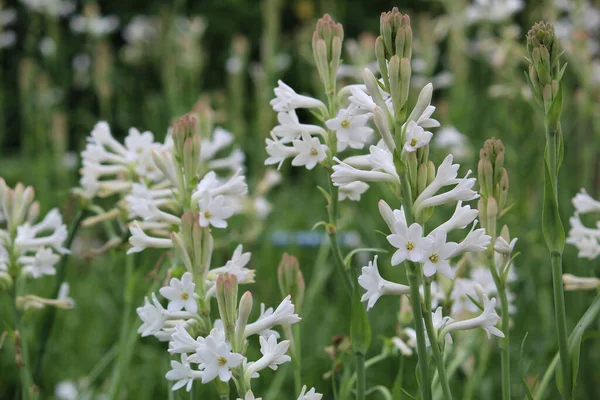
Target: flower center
x=185 y=296
x=410 y=246
x=207 y=214
x=345 y=123
x=222 y=361
x=434 y=258
x=314 y=152
x=413 y=142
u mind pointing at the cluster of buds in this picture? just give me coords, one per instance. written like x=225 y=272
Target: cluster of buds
x=545 y=71
x=493 y=184
x=393 y=49
x=327 y=50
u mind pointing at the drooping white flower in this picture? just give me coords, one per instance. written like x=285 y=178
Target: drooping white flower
x=310 y=151
x=584 y=203
x=380 y=162
x=287 y=99
x=436 y=257
x=376 y=286
x=416 y=137
x=361 y=99
x=27 y=239
x=235 y=266
x=461 y=218
x=182 y=342
x=487 y=320
x=216 y=358
x=139 y=240
x=410 y=243
x=439 y=323
x=352 y=191
x=350 y=128
x=283 y=315
x=310 y=395
x=180 y=294
x=392 y=218
x=503 y=247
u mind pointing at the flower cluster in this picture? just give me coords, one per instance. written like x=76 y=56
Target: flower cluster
x=183 y=213
x=28 y=247
x=585 y=239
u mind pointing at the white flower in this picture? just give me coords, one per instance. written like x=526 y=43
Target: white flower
x=352 y=191
x=140 y=241
x=439 y=322
x=376 y=286
x=310 y=151
x=214 y=211
x=361 y=99
x=503 y=247
x=436 y=257
x=180 y=294
x=492 y=10
x=66 y=390
x=463 y=216
x=290 y=128
x=283 y=315
x=250 y=396
x=486 y=320
x=416 y=137
x=392 y=218
x=287 y=99
x=454 y=142
x=584 y=203
x=273 y=353
x=182 y=342
x=475 y=242
x=423 y=110
x=236 y=266
x=310 y=395
x=183 y=373
x=278 y=152
x=153 y=316
x=350 y=129
x=344 y=174
x=41 y=264
x=410 y=243
x=216 y=358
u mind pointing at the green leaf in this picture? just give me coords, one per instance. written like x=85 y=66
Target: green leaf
x=552 y=227
x=523 y=378
x=315 y=226
x=552 y=118
x=360 y=328
x=385 y=392
x=325 y=194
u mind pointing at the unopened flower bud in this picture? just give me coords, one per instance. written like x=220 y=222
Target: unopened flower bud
x=492 y=216
x=327 y=49
x=405 y=73
x=227 y=288
x=430 y=172
x=482 y=209
x=244 y=312
x=421 y=178
x=291 y=281
x=381 y=61
x=503 y=198
x=381 y=122
x=183 y=128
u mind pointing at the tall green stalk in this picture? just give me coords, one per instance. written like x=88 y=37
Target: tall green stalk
x=433 y=340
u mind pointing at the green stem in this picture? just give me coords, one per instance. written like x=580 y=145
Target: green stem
x=433 y=340
x=505 y=321
x=50 y=314
x=360 y=376
x=552 y=146
x=297 y=359
x=561 y=322
x=415 y=299
x=125 y=349
x=333 y=238
x=27 y=382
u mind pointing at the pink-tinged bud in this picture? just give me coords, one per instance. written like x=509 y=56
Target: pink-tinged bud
x=227 y=288
x=291 y=281
x=327 y=49
x=183 y=128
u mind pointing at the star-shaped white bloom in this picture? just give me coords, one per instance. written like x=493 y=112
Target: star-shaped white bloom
x=410 y=243
x=153 y=316
x=183 y=373
x=350 y=128
x=41 y=264
x=180 y=294
x=216 y=358
x=353 y=191
x=182 y=342
x=310 y=151
x=416 y=137
x=376 y=286
x=214 y=211
x=436 y=257
x=584 y=203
